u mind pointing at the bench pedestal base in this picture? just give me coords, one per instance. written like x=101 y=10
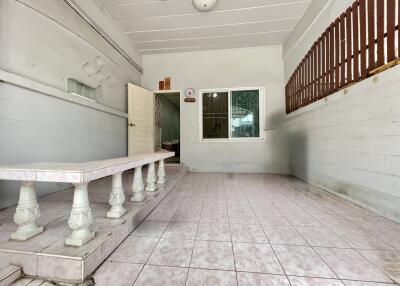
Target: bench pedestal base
x=79 y=238
x=26 y=232
x=116 y=213
x=138 y=197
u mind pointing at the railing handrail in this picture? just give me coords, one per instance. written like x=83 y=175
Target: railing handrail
x=353 y=47
x=77 y=172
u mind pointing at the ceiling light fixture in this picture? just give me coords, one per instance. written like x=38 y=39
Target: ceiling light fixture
x=204 y=5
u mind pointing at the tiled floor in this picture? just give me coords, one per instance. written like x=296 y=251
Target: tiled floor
x=250 y=229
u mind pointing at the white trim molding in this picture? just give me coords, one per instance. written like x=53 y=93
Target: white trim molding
x=21 y=81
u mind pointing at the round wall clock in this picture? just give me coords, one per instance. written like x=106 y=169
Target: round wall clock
x=189 y=95
x=189 y=92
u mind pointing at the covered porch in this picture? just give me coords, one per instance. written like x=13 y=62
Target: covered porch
x=244 y=229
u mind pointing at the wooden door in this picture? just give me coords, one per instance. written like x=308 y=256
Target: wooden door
x=140 y=120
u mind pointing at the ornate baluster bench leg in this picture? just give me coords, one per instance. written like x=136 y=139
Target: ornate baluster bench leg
x=161 y=173
x=117 y=197
x=151 y=178
x=80 y=218
x=138 y=186
x=27 y=213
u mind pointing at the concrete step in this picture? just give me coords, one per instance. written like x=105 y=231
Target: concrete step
x=10 y=274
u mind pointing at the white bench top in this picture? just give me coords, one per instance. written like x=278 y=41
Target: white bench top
x=77 y=172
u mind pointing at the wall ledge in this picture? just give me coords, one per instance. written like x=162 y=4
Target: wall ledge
x=382 y=78
x=21 y=81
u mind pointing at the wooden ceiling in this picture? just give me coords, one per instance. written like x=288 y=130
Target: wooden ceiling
x=161 y=26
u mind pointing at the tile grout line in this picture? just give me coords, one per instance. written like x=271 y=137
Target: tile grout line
x=230 y=233
x=248 y=195
x=169 y=222
x=273 y=250
x=195 y=237
x=373 y=263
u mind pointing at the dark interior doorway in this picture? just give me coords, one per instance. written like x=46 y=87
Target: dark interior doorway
x=168 y=123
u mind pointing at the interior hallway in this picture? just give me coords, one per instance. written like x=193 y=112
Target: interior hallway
x=254 y=229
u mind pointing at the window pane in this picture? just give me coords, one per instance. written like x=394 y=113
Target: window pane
x=215 y=115
x=245 y=114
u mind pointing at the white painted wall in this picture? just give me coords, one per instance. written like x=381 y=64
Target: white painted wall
x=349 y=145
x=247 y=67
x=44 y=40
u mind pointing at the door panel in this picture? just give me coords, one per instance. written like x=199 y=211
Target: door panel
x=140 y=120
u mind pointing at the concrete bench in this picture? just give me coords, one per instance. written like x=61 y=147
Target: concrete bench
x=80 y=175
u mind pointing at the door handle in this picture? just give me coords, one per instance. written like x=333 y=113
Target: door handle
x=131 y=124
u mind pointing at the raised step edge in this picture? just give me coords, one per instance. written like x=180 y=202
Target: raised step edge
x=10 y=274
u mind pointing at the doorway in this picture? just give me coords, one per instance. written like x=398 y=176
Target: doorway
x=167 y=125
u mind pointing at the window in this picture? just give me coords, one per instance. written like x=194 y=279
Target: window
x=231 y=114
x=80 y=89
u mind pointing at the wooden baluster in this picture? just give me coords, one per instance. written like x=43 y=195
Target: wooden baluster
x=391 y=26
x=398 y=29
x=371 y=34
x=327 y=55
x=332 y=58
x=323 y=70
x=356 y=70
x=363 y=39
x=342 y=50
x=349 y=45
x=319 y=73
x=380 y=32
x=307 y=74
x=337 y=55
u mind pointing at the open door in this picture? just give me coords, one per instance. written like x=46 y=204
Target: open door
x=140 y=120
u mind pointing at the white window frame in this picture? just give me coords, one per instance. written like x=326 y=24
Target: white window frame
x=261 y=107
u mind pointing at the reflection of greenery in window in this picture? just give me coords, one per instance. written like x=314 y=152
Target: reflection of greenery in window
x=245 y=114
x=231 y=114
x=215 y=115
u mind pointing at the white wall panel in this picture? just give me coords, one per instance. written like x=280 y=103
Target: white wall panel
x=245 y=67
x=351 y=146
